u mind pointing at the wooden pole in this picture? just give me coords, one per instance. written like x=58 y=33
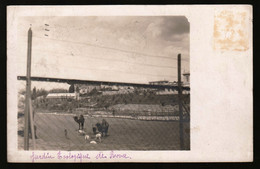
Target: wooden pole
x=26 y=125
x=28 y=91
x=32 y=123
x=180 y=103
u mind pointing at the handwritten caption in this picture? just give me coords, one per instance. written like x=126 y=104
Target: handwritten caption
x=76 y=157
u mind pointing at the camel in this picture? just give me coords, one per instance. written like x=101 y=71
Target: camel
x=80 y=120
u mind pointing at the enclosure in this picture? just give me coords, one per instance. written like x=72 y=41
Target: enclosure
x=137 y=121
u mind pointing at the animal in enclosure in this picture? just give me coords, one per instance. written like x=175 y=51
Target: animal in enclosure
x=80 y=120
x=98 y=137
x=82 y=132
x=93 y=142
x=87 y=137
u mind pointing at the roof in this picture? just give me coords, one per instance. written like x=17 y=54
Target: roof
x=60 y=95
x=74 y=81
x=186 y=73
x=165 y=81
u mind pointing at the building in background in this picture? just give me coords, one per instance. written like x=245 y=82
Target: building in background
x=186 y=80
x=61 y=96
x=161 y=82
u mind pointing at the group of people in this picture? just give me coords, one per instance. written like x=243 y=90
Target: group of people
x=101 y=127
x=97 y=128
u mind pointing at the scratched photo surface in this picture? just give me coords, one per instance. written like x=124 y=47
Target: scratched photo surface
x=105 y=82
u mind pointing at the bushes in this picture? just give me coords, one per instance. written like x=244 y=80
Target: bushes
x=131 y=98
x=106 y=102
x=135 y=113
x=57 y=104
x=59 y=90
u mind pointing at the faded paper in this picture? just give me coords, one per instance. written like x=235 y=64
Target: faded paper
x=221 y=82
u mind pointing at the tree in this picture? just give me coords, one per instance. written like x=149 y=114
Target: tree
x=34 y=93
x=77 y=89
x=93 y=92
x=41 y=92
x=22 y=91
x=71 y=89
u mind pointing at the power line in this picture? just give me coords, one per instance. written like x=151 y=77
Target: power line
x=101 y=58
x=99 y=46
x=104 y=47
x=81 y=68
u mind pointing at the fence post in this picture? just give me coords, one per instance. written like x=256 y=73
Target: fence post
x=180 y=103
x=28 y=92
x=31 y=116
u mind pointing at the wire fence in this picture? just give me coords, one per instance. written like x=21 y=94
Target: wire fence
x=127 y=118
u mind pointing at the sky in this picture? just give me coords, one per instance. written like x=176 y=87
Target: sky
x=132 y=49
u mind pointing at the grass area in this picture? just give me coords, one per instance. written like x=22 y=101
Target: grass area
x=124 y=134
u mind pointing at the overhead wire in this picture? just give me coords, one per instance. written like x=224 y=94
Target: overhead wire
x=104 y=47
x=84 y=68
x=111 y=48
x=102 y=58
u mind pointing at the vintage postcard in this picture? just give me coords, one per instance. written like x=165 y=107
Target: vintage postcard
x=129 y=83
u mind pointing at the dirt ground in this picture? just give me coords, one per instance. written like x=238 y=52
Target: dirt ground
x=124 y=134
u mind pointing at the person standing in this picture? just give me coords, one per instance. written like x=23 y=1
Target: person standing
x=105 y=127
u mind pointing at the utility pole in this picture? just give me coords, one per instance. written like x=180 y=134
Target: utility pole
x=31 y=116
x=180 y=103
x=28 y=92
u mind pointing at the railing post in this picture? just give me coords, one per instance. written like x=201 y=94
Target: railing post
x=180 y=103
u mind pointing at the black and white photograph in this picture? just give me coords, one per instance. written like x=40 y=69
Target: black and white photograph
x=129 y=83
x=103 y=83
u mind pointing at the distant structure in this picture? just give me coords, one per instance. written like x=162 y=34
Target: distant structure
x=186 y=81
x=161 y=82
x=87 y=88
x=82 y=91
x=61 y=96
